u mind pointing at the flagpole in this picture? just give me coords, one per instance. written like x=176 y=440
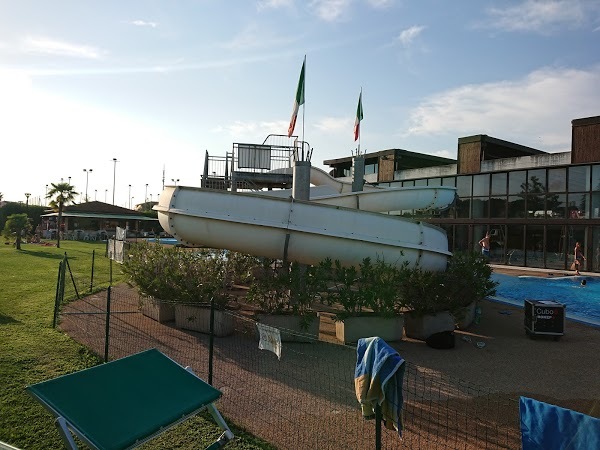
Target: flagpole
x=359 y=130
x=303 y=107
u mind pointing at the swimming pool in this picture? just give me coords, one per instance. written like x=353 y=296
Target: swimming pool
x=582 y=302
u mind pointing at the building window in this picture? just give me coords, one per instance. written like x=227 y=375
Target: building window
x=498 y=207
x=517 y=182
x=481 y=185
x=578 y=206
x=434 y=182
x=451 y=181
x=555 y=246
x=557 y=180
x=556 y=206
x=595 y=211
x=536 y=181
x=515 y=245
x=408 y=183
x=579 y=179
x=516 y=206
x=479 y=207
x=463 y=186
x=534 y=239
x=499 y=183
x=596 y=178
x=463 y=208
x=421 y=182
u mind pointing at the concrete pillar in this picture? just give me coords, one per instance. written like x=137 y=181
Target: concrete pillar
x=358 y=173
x=301 y=180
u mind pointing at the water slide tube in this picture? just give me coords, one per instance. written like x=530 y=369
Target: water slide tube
x=302 y=231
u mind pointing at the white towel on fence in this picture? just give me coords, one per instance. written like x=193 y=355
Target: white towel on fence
x=270 y=339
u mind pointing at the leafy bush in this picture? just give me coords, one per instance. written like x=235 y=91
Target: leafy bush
x=467 y=279
x=178 y=275
x=373 y=287
x=283 y=288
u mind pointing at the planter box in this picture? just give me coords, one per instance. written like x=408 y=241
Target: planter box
x=293 y=324
x=197 y=318
x=157 y=309
x=351 y=329
x=469 y=316
x=421 y=327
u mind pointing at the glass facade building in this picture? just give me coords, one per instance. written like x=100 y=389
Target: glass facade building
x=535 y=205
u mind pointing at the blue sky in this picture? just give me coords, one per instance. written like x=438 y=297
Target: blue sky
x=156 y=83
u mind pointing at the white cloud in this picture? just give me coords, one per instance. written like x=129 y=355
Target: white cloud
x=543 y=16
x=60 y=48
x=330 y=10
x=253 y=36
x=334 y=124
x=143 y=23
x=240 y=131
x=275 y=4
x=407 y=37
x=536 y=110
x=381 y=4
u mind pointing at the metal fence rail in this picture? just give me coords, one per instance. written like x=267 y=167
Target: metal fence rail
x=305 y=400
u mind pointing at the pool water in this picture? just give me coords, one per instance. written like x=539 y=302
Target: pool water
x=582 y=302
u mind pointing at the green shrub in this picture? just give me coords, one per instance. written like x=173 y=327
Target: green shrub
x=173 y=274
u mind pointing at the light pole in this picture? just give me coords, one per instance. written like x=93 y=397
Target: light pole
x=114 y=177
x=105 y=192
x=95 y=194
x=27 y=194
x=150 y=198
x=69 y=180
x=87 y=177
x=175 y=181
x=129 y=196
x=146 y=194
x=46 y=197
x=131 y=202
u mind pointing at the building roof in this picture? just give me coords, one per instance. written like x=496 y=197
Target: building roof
x=100 y=210
x=494 y=148
x=404 y=159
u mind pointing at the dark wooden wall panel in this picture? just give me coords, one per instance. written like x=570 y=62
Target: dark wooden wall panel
x=469 y=157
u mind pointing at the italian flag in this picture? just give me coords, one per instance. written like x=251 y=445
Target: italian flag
x=299 y=100
x=359 y=117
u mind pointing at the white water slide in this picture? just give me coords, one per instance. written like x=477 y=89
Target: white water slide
x=310 y=231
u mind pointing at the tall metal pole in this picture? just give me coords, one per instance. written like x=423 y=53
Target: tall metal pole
x=87 y=177
x=114 y=177
x=146 y=194
x=129 y=195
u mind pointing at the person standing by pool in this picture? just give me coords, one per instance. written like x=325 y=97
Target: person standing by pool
x=579 y=257
x=485 y=245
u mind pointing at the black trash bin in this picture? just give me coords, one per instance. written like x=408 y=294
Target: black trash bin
x=544 y=317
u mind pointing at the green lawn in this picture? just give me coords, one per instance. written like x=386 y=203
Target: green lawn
x=32 y=351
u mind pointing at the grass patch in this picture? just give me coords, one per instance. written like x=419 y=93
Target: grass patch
x=32 y=351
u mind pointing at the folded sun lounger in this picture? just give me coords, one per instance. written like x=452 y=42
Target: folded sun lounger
x=124 y=403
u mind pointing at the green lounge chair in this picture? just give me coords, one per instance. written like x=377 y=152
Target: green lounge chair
x=124 y=403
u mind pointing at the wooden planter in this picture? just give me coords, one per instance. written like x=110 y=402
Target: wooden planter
x=294 y=325
x=421 y=327
x=468 y=316
x=351 y=329
x=197 y=318
x=157 y=309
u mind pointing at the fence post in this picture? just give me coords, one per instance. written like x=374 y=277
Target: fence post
x=377 y=426
x=57 y=296
x=110 y=271
x=92 y=279
x=211 y=340
x=71 y=273
x=107 y=332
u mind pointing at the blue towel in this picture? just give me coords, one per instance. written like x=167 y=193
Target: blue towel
x=378 y=380
x=550 y=427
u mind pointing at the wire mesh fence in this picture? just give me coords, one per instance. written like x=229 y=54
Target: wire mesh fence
x=307 y=398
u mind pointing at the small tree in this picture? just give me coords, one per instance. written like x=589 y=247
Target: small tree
x=61 y=194
x=16 y=224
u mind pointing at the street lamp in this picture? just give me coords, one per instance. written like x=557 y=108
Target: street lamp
x=69 y=180
x=114 y=177
x=87 y=177
x=27 y=194
x=146 y=194
x=95 y=194
x=131 y=202
x=175 y=181
x=46 y=197
x=129 y=196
